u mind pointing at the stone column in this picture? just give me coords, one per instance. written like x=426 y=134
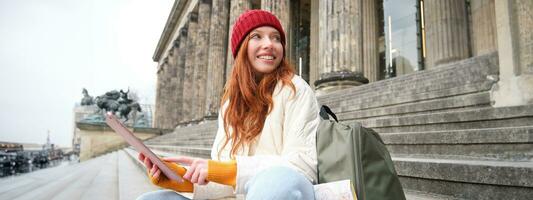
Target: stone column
x=340 y=36
x=370 y=40
x=218 y=34
x=281 y=8
x=514 y=23
x=484 y=39
x=314 y=58
x=158 y=100
x=164 y=94
x=188 y=71
x=446 y=31
x=167 y=95
x=237 y=7
x=173 y=82
x=202 y=50
x=180 y=44
x=523 y=10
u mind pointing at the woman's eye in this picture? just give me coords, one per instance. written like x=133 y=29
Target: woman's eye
x=255 y=36
x=277 y=38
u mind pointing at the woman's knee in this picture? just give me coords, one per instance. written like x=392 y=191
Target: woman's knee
x=279 y=183
x=161 y=195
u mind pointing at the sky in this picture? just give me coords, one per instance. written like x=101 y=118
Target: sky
x=51 y=49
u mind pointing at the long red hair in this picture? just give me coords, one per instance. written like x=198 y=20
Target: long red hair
x=250 y=100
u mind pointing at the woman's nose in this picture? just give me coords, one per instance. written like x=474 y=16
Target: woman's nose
x=267 y=43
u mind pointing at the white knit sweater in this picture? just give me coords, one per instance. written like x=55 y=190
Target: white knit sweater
x=288 y=139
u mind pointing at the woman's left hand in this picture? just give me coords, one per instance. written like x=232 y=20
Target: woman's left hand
x=197 y=170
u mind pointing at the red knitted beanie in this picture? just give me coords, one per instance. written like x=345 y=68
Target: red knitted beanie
x=250 y=20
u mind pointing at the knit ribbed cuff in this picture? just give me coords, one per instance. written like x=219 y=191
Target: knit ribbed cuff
x=222 y=172
x=164 y=182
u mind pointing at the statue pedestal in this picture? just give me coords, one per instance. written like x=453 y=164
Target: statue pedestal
x=97 y=139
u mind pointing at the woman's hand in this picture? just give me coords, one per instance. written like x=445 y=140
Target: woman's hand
x=161 y=180
x=197 y=171
x=153 y=170
x=147 y=163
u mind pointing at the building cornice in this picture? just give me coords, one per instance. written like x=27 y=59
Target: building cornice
x=170 y=26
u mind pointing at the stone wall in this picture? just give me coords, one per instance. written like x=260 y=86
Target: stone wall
x=98 y=139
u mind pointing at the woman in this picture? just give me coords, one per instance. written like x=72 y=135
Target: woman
x=265 y=144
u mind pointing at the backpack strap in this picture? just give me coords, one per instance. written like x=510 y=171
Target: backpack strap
x=325 y=112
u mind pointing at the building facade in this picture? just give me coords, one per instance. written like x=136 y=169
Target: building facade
x=341 y=44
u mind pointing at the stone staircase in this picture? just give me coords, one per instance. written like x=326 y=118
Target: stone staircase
x=442 y=133
x=195 y=140
x=446 y=140
x=113 y=176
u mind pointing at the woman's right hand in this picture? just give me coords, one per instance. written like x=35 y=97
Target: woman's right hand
x=147 y=164
x=161 y=180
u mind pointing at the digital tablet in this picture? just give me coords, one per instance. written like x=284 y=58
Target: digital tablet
x=116 y=125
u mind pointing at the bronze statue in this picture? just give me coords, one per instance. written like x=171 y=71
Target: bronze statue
x=115 y=101
x=87 y=100
x=108 y=102
x=126 y=105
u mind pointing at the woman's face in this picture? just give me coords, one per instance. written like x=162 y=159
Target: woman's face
x=265 y=50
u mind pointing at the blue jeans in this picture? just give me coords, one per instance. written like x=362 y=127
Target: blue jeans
x=273 y=183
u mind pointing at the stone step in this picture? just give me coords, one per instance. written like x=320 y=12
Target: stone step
x=417 y=195
x=455 y=120
x=200 y=152
x=78 y=188
x=206 y=143
x=201 y=131
x=518 y=134
x=498 y=123
x=205 y=126
x=469 y=76
x=132 y=154
x=97 y=178
x=132 y=182
x=510 y=173
x=349 y=110
x=197 y=134
x=470 y=179
x=193 y=134
x=463 y=190
x=105 y=184
x=161 y=138
x=384 y=99
x=11 y=184
x=52 y=182
x=190 y=132
x=476 y=114
x=514 y=143
x=182 y=138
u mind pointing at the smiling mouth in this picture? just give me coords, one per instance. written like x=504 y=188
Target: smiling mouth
x=266 y=57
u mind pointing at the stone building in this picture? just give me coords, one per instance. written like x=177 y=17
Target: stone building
x=447 y=83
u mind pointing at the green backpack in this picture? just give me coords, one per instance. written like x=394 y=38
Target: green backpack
x=356 y=153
